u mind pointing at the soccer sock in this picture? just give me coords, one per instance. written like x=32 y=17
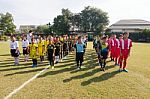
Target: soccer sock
x=36 y=62
x=15 y=59
x=124 y=64
x=104 y=64
x=27 y=57
x=100 y=62
x=41 y=58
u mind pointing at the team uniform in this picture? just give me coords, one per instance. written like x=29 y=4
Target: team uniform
x=79 y=54
x=33 y=53
x=50 y=53
x=41 y=48
x=25 y=45
x=70 y=44
x=65 y=49
x=117 y=51
x=125 y=51
x=45 y=44
x=57 y=51
x=14 y=51
x=112 y=49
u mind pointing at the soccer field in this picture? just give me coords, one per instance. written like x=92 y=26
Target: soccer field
x=66 y=82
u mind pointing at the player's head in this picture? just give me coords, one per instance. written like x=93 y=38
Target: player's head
x=114 y=36
x=13 y=38
x=24 y=37
x=32 y=40
x=104 y=39
x=50 y=41
x=120 y=36
x=40 y=39
x=79 y=39
x=57 y=39
x=125 y=35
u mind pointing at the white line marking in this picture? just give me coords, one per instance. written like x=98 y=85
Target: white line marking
x=24 y=84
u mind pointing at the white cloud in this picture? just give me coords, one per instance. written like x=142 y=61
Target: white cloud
x=43 y=11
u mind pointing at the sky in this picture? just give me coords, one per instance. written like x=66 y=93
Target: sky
x=39 y=12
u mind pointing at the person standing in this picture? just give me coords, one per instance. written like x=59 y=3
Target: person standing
x=103 y=53
x=51 y=53
x=41 y=49
x=126 y=45
x=116 y=51
x=80 y=47
x=33 y=48
x=25 y=47
x=29 y=36
x=14 y=49
x=57 y=50
x=112 y=47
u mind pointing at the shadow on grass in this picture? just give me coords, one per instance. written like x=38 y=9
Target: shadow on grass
x=26 y=65
x=87 y=74
x=24 y=72
x=101 y=78
x=58 y=71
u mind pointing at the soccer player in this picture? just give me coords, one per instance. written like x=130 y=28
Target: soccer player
x=46 y=42
x=41 y=49
x=57 y=50
x=33 y=48
x=126 y=45
x=112 y=47
x=65 y=48
x=51 y=53
x=117 y=50
x=120 y=40
x=25 y=47
x=103 y=53
x=79 y=46
x=14 y=49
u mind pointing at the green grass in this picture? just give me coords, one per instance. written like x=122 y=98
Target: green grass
x=65 y=82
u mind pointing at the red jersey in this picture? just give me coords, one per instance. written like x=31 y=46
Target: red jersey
x=117 y=43
x=125 y=44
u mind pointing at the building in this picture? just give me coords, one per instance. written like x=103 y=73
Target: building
x=26 y=28
x=130 y=25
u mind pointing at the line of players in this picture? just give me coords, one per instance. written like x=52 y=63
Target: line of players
x=55 y=48
x=119 y=50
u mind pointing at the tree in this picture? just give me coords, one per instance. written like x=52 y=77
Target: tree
x=6 y=24
x=89 y=19
x=93 y=19
x=45 y=29
x=62 y=22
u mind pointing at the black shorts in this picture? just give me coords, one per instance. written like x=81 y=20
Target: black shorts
x=79 y=57
x=50 y=58
x=13 y=53
x=104 y=54
x=25 y=51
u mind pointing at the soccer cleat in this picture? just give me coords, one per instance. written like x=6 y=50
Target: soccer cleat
x=33 y=65
x=125 y=70
x=52 y=67
x=120 y=70
x=103 y=69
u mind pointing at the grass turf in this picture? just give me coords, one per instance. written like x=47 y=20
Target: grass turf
x=65 y=82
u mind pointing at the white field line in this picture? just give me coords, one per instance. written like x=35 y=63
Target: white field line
x=25 y=83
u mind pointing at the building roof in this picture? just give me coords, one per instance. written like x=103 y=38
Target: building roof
x=131 y=24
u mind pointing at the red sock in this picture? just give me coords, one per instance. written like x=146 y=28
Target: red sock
x=124 y=64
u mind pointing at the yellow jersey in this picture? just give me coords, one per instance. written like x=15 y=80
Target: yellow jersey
x=33 y=50
x=41 y=48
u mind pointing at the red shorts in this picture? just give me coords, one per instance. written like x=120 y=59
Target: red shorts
x=112 y=51
x=125 y=53
x=117 y=52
